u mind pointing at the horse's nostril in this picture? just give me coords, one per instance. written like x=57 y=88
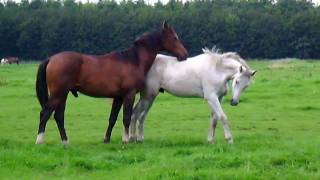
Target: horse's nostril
x=182 y=58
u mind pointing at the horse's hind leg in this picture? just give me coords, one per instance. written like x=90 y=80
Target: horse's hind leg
x=44 y=117
x=213 y=124
x=116 y=105
x=146 y=105
x=127 y=112
x=59 y=117
x=134 y=116
x=137 y=111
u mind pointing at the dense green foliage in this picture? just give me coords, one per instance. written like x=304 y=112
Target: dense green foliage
x=254 y=28
x=276 y=129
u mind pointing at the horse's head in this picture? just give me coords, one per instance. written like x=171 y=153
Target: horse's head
x=171 y=43
x=240 y=82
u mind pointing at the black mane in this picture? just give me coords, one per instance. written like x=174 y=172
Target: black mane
x=148 y=40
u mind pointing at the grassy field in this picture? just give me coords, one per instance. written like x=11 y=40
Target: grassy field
x=276 y=129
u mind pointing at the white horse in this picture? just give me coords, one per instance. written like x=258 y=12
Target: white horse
x=204 y=76
x=4 y=61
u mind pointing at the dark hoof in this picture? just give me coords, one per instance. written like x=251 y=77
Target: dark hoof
x=106 y=141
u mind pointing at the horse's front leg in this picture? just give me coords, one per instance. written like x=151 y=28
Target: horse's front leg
x=127 y=112
x=213 y=125
x=214 y=102
x=212 y=128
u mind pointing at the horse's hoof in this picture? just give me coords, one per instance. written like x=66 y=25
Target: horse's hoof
x=40 y=138
x=39 y=142
x=132 y=139
x=106 y=141
x=211 y=141
x=230 y=141
x=65 y=142
x=125 y=142
x=140 y=141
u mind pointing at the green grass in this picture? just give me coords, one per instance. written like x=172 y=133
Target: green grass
x=276 y=129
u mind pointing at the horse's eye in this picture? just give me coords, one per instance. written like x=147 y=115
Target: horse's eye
x=237 y=82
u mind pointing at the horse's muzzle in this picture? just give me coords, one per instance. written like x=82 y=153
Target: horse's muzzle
x=183 y=57
x=234 y=103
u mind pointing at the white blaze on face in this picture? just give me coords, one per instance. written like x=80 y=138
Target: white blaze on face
x=240 y=82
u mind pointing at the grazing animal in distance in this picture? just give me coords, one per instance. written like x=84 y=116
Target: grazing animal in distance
x=118 y=75
x=4 y=61
x=12 y=60
x=203 y=76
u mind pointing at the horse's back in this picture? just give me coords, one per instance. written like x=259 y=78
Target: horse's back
x=93 y=75
x=177 y=78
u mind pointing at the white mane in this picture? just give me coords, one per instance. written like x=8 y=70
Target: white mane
x=216 y=53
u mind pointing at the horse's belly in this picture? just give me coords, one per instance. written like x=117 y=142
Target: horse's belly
x=98 y=91
x=184 y=89
x=108 y=87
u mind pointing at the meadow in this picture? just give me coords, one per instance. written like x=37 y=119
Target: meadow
x=276 y=129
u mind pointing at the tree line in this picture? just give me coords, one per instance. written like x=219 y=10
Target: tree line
x=254 y=28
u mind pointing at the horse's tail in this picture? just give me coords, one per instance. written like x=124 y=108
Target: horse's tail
x=41 y=83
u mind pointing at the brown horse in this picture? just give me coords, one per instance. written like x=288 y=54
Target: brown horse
x=12 y=60
x=118 y=75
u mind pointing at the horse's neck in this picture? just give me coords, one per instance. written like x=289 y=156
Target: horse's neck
x=227 y=69
x=146 y=58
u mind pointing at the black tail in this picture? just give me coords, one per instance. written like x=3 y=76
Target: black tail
x=41 y=83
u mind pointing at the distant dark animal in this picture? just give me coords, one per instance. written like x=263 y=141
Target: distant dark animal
x=118 y=75
x=12 y=60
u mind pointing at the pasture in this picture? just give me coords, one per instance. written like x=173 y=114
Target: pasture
x=275 y=128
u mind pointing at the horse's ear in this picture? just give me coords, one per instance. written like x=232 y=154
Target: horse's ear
x=241 y=69
x=165 y=25
x=138 y=41
x=253 y=72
